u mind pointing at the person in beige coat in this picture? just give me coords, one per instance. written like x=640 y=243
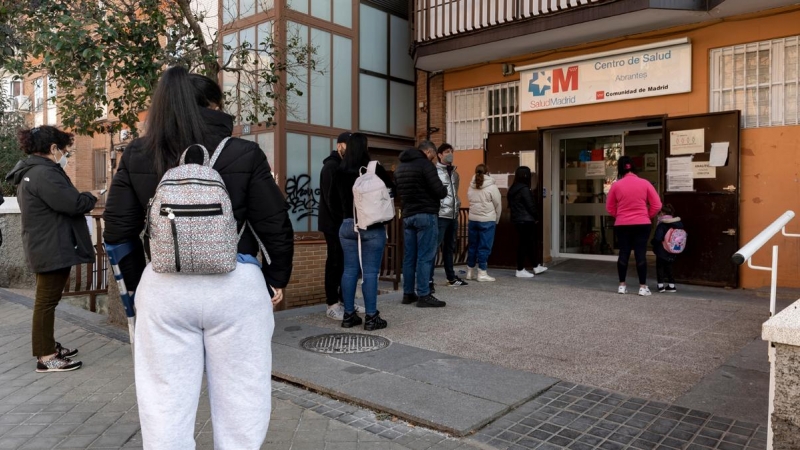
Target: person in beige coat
x=484 y=213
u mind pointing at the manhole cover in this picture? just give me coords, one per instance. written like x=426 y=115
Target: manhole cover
x=338 y=343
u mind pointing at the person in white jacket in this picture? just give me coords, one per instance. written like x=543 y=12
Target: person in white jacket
x=484 y=213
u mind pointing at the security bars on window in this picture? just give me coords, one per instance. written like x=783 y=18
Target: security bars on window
x=498 y=104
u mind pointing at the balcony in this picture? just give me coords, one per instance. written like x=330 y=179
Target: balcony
x=457 y=33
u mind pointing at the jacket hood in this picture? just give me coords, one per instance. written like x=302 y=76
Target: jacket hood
x=24 y=165
x=669 y=219
x=487 y=181
x=411 y=154
x=334 y=156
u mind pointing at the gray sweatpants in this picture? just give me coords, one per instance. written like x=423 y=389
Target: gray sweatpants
x=186 y=323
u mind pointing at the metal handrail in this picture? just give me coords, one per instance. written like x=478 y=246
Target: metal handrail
x=746 y=254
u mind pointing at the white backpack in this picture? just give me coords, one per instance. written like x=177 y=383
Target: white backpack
x=190 y=220
x=371 y=200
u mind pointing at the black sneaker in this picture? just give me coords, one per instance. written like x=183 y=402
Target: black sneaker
x=457 y=282
x=57 y=364
x=671 y=288
x=65 y=352
x=374 y=322
x=409 y=299
x=429 y=301
x=351 y=320
x=432 y=286
x=661 y=288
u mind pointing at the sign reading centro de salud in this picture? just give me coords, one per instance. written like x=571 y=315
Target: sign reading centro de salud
x=624 y=76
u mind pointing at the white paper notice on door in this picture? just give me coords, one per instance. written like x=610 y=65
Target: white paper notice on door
x=686 y=142
x=680 y=182
x=501 y=180
x=719 y=154
x=679 y=165
x=703 y=170
x=595 y=168
x=528 y=158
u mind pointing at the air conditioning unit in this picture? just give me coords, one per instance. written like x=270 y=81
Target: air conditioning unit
x=22 y=103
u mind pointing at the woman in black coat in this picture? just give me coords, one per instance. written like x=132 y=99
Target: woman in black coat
x=54 y=234
x=524 y=216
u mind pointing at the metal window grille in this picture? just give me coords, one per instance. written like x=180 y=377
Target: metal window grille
x=760 y=79
x=475 y=111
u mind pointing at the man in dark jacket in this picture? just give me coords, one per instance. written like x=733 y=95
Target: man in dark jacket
x=448 y=214
x=420 y=189
x=329 y=221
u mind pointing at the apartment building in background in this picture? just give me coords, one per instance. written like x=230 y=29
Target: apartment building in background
x=702 y=95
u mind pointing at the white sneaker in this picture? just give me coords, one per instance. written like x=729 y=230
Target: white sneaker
x=483 y=276
x=622 y=290
x=539 y=269
x=524 y=274
x=470 y=273
x=335 y=312
x=359 y=309
x=644 y=291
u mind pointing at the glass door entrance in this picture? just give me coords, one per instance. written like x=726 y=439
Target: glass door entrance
x=588 y=167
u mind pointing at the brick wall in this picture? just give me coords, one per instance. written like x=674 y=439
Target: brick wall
x=436 y=109
x=307 y=285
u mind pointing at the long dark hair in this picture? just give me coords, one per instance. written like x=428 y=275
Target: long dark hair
x=38 y=140
x=174 y=121
x=625 y=166
x=356 y=155
x=523 y=176
x=480 y=171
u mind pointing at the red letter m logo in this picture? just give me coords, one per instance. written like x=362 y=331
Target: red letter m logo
x=568 y=82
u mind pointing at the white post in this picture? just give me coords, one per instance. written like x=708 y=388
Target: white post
x=771 y=349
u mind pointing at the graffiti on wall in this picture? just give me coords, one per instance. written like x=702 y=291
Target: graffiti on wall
x=302 y=198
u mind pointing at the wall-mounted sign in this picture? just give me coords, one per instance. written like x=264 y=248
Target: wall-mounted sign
x=624 y=76
x=701 y=169
x=686 y=142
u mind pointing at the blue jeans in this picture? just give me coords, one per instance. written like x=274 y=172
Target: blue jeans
x=419 y=244
x=481 y=239
x=372 y=244
x=447 y=240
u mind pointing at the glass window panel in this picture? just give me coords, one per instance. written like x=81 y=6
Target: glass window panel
x=38 y=93
x=247 y=8
x=373 y=39
x=229 y=11
x=401 y=117
x=790 y=63
x=320 y=149
x=763 y=66
x=791 y=103
x=321 y=9
x=297 y=180
x=248 y=35
x=401 y=64
x=343 y=13
x=298 y=104
x=51 y=92
x=264 y=35
x=267 y=143
x=372 y=103
x=321 y=83
x=229 y=81
x=342 y=73
x=229 y=42
x=298 y=5
x=266 y=5
x=248 y=137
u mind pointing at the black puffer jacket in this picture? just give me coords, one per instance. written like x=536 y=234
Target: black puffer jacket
x=254 y=195
x=54 y=230
x=330 y=218
x=418 y=184
x=522 y=204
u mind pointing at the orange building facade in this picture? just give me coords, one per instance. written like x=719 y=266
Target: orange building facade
x=733 y=79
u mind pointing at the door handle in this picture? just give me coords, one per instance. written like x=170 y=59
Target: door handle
x=730 y=232
x=730 y=188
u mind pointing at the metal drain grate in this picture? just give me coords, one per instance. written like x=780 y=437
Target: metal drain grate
x=339 y=343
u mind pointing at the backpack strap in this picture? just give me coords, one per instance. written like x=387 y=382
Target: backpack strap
x=202 y=147
x=218 y=151
x=264 y=253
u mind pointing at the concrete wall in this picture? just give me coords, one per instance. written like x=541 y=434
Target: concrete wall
x=770 y=163
x=786 y=416
x=14 y=271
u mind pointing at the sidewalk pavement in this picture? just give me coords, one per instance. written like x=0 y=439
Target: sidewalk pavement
x=95 y=406
x=559 y=361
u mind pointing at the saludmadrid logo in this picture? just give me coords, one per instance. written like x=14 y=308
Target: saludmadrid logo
x=558 y=101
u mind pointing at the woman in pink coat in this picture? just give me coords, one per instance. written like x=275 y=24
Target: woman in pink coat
x=633 y=202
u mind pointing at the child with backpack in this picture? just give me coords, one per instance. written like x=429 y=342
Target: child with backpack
x=668 y=241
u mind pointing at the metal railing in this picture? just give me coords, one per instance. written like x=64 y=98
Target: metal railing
x=434 y=19
x=746 y=254
x=90 y=279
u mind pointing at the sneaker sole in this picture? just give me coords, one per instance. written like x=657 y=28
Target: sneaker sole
x=59 y=370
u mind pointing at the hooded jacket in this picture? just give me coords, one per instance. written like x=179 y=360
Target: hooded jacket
x=330 y=218
x=255 y=197
x=632 y=201
x=521 y=204
x=418 y=184
x=450 y=204
x=484 y=202
x=665 y=223
x=54 y=230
